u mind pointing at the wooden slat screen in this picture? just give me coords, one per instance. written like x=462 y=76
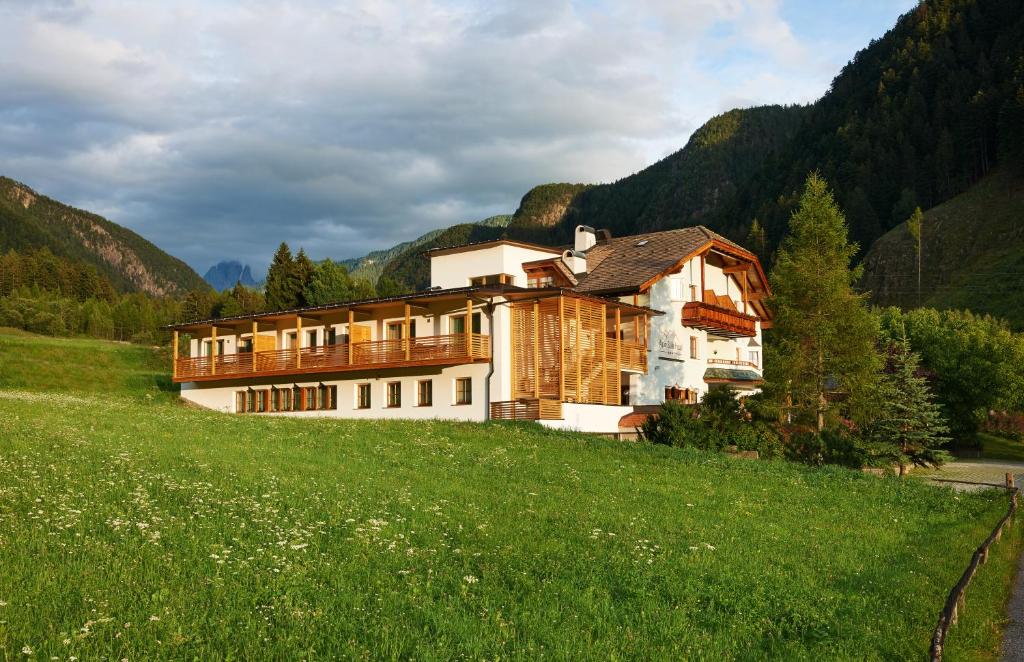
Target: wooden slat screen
x=588 y=373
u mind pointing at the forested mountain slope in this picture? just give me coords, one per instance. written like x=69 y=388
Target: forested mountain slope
x=914 y=119
x=972 y=253
x=30 y=221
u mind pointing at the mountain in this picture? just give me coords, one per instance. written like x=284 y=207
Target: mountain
x=29 y=220
x=972 y=253
x=223 y=275
x=705 y=182
x=915 y=118
x=372 y=265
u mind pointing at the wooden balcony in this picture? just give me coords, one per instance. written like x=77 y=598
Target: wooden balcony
x=450 y=349
x=718 y=320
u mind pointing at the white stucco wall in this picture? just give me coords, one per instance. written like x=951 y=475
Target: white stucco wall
x=456 y=269
x=669 y=362
x=220 y=396
x=601 y=419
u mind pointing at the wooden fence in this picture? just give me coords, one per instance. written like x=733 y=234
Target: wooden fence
x=955 y=602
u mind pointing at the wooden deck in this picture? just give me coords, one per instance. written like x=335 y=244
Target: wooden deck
x=449 y=349
x=718 y=320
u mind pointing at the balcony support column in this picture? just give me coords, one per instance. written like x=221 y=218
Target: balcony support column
x=351 y=322
x=213 y=350
x=469 y=327
x=604 y=353
x=174 y=354
x=406 y=341
x=703 y=287
x=255 y=330
x=561 y=349
x=618 y=353
x=298 y=341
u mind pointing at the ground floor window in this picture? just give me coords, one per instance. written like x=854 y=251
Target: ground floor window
x=394 y=391
x=363 y=396
x=687 y=396
x=463 y=391
x=425 y=393
x=308 y=398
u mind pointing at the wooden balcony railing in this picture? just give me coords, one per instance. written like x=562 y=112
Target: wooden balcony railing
x=744 y=364
x=526 y=409
x=719 y=321
x=634 y=355
x=432 y=350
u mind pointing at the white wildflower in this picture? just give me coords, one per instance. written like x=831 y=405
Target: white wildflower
x=470 y=579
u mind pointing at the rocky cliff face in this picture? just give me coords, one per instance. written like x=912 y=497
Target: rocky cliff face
x=29 y=220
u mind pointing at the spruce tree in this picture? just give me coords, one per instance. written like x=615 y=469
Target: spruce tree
x=302 y=273
x=281 y=290
x=910 y=423
x=824 y=334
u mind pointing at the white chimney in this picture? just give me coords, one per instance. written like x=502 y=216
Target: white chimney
x=586 y=237
x=576 y=261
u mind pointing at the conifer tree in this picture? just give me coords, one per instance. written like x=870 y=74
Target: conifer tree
x=824 y=333
x=281 y=287
x=302 y=272
x=915 y=224
x=910 y=422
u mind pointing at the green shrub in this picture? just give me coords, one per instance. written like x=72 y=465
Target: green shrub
x=677 y=425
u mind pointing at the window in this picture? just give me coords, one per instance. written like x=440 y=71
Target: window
x=676 y=283
x=684 y=395
x=394 y=330
x=332 y=337
x=311 y=337
x=291 y=340
x=363 y=396
x=208 y=348
x=540 y=280
x=425 y=393
x=245 y=346
x=693 y=348
x=394 y=390
x=492 y=279
x=693 y=293
x=755 y=358
x=463 y=391
x=307 y=398
x=457 y=323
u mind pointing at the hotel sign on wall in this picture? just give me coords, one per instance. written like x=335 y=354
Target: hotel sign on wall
x=669 y=347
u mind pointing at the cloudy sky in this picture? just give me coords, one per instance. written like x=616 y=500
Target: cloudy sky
x=217 y=129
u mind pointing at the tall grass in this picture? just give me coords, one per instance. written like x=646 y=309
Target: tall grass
x=133 y=527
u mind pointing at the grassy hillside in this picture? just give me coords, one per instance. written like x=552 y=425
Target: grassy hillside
x=29 y=220
x=134 y=527
x=973 y=254
x=411 y=268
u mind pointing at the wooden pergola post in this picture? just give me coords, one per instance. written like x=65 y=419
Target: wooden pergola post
x=255 y=331
x=604 y=353
x=579 y=357
x=561 y=349
x=744 y=277
x=351 y=321
x=536 y=350
x=618 y=352
x=298 y=341
x=469 y=327
x=702 y=288
x=213 y=350
x=405 y=333
x=513 y=310
x=174 y=354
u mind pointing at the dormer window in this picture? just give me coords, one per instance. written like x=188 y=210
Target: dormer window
x=492 y=279
x=541 y=280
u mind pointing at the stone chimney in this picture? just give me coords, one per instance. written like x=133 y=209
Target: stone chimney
x=586 y=237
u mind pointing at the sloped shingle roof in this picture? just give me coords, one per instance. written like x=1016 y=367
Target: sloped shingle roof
x=625 y=263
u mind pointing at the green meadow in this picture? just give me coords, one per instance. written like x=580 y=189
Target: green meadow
x=134 y=527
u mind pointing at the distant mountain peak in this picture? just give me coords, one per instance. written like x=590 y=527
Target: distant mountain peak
x=224 y=275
